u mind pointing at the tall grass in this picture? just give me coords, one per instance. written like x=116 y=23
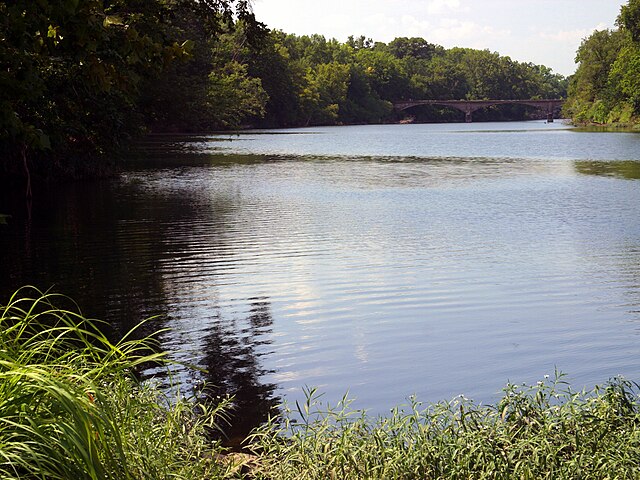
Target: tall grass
x=544 y=431
x=70 y=407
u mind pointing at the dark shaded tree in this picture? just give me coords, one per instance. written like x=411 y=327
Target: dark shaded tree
x=73 y=74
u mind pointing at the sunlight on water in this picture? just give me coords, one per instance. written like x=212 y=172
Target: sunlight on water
x=383 y=260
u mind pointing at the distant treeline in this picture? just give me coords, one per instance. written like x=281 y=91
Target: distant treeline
x=606 y=87
x=309 y=80
x=79 y=79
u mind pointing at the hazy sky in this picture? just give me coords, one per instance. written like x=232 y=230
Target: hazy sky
x=546 y=32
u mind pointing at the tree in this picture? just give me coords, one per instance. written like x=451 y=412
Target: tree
x=591 y=94
x=233 y=95
x=283 y=80
x=74 y=74
x=629 y=19
x=606 y=86
x=385 y=73
x=414 y=47
x=625 y=72
x=363 y=104
x=359 y=43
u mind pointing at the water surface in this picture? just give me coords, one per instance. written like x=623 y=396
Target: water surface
x=380 y=260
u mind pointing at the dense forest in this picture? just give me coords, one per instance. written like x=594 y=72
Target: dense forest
x=77 y=76
x=80 y=79
x=606 y=86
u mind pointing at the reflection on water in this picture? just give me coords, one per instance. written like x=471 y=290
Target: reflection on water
x=128 y=251
x=291 y=260
x=622 y=169
x=233 y=366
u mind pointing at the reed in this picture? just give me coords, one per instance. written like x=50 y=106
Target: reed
x=71 y=408
x=534 y=432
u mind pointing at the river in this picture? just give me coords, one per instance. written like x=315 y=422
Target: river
x=385 y=261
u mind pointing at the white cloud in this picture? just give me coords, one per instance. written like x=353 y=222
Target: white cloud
x=448 y=32
x=415 y=27
x=377 y=23
x=454 y=32
x=438 y=7
x=571 y=36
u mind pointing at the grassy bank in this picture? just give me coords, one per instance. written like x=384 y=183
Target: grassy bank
x=534 y=432
x=71 y=408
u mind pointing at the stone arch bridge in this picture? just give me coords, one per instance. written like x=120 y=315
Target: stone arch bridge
x=469 y=106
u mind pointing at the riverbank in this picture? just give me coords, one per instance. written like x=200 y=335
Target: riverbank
x=71 y=407
x=607 y=127
x=541 y=431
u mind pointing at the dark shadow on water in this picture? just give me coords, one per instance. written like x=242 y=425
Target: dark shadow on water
x=110 y=247
x=233 y=369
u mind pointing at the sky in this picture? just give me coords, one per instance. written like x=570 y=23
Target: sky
x=546 y=32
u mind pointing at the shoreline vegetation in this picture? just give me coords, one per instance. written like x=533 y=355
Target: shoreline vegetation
x=608 y=127
x=82 y=80
x=71 y=406
x=85 y=79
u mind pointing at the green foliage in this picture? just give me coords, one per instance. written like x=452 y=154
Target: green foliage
x=624 y=76
x=316 y=72
x=541 y=431
x=363 y=103
x=385 y=73
x=289 y=80
x=70 y=406
x=75 y=74
x=629 y=19
x=605 y=89
x=415 y=47
x=81 y=79
x=73 y=69
x=283 y=80
x=232 y=95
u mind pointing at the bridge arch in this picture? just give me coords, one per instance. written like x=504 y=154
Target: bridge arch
x=470 y=106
